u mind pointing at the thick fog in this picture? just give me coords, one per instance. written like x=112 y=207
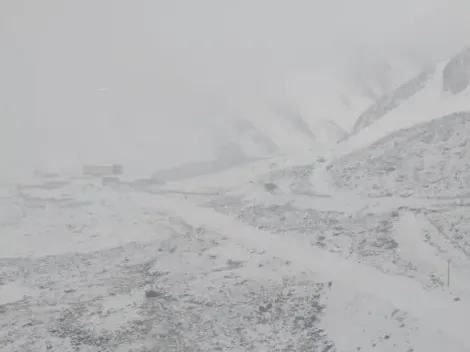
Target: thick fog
x=151 y=83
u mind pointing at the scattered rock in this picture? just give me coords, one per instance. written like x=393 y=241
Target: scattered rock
x=270 y=187
x=152 y=294
x=234 y=263
x=264 y=309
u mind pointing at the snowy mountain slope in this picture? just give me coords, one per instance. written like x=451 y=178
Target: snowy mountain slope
x=376 y=74
x=252 y=141
x=248 y=143
x=427 y=160
x=314 y=123
x=314 y=111
x=391 y=101
x=435 y=92
x=342 y=95
x=322 y=132
x=242 y=138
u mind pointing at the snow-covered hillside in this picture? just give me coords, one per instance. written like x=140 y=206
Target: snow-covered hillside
x=378 y=74
x=280 y=132
x=398 y=237
x=436 y=92
x=427 y=160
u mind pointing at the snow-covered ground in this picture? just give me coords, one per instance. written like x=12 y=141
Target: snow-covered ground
x=305 y=252
x=269 y=256
x=127 y=275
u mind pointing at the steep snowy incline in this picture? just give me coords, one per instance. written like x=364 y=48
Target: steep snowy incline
x=434 y=93
x=313 y=110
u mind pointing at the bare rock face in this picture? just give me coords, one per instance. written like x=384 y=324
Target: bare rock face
x=456 y=74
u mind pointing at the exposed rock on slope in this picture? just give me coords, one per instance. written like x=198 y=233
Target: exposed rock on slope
x=457 y=73
x=391 y=101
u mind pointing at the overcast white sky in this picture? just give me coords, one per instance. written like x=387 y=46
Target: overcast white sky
x=171 y=66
